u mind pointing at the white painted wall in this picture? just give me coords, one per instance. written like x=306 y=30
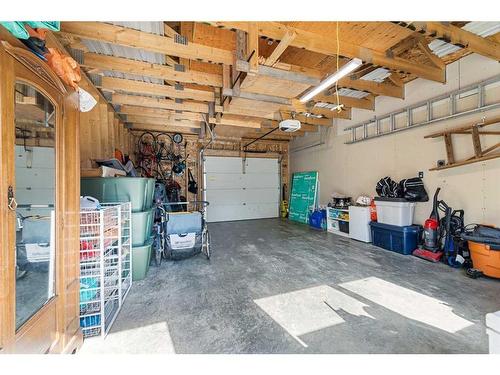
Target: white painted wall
x=355 y=169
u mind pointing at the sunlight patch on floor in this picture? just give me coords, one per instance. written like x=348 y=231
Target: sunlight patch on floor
x=408 y=303
x=308 y=310
x=151 y=339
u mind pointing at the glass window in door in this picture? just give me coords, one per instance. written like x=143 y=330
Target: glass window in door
x=35 y=195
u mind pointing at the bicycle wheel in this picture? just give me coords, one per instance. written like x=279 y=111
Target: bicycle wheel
x=162 y=172
x=147 y=145
x=164 y=142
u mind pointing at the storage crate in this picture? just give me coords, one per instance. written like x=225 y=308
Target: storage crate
x=105 y=265
x=344 y=226
x=401 y=240
x=394 y=211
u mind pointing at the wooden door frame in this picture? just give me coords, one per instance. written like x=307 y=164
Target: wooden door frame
x=55 y=327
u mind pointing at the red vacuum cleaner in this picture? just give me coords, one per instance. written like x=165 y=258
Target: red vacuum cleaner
x=431 y=249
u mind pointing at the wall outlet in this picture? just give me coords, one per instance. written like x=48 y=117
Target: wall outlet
x=421 y=174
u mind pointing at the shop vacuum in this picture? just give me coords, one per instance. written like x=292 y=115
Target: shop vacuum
x=440 y=236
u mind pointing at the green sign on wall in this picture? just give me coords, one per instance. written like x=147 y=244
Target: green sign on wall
x=303 y=195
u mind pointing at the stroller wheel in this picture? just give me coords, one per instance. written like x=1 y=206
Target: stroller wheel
x=206 y=244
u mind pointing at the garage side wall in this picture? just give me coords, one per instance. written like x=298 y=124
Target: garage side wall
x=355 y=169
x=101 y=131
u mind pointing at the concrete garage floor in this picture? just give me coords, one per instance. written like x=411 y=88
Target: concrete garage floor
x=277 y=287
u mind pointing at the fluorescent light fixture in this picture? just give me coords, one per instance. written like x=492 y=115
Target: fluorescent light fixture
x=329 y=81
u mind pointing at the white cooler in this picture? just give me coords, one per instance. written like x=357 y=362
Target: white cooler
x=493 y=331
x=359 y=223
x=394 y=211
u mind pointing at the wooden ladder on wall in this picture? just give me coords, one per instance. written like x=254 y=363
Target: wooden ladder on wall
x=475 y=130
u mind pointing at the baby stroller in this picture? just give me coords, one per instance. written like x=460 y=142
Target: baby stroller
x=186 y=232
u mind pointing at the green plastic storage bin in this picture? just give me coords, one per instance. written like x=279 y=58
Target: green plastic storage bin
x=142 y=224
x=150 y=193
x=141 y=256
x=136 y=190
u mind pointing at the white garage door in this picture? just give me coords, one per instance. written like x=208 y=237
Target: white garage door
x=241 y=189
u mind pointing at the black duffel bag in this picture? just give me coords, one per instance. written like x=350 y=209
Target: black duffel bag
x=413 y=190
x=388 y=188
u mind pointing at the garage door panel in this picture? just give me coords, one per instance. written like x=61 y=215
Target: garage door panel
x=224 y=181
x=240 y=212
x=258 y=181
x=223 y=213
x=215 y=164
x=256 y=165
x=261 y=211
x=234 y=195
x=261 y=196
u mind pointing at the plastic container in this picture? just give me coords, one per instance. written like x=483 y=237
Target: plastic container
x=88 y=288
x=344 y=226
x=150 y=193
x=394 y=211
x=142 y=224
x=493 y=331
x=395 y=238
x=141 y=257
x=90 y=321
x=485 y=258
x=136 y=190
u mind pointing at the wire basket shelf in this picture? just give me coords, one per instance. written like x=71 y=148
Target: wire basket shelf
x=105 y=265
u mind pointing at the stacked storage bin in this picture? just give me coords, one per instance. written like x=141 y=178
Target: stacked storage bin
x=395 y=230
x=139 y=192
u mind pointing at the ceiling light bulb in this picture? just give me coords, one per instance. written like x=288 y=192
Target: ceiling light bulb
x=330 y=80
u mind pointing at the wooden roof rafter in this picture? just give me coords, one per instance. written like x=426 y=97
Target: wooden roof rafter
x=327 y=45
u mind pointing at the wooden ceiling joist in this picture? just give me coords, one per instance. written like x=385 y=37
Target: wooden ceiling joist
x=328 y=113
x=288 y=75
x=326 y=44
x=167 y=122
x=122 y=99
x=123 y=65
x=287 y=39
x=138 y=127
x=455 y=35
x=240 y=121
x=255 y=96
x=313 y=78
x=159 y=113
x=310 y=120
x=434 y=59
x=129 y=86
x=367 y=102
x=149 y=42
x=376 y=88
x=268 y=124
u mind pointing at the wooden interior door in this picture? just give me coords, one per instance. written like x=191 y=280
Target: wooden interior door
x=38 y=208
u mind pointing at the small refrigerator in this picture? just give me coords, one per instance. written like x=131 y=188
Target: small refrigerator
x=359 y=223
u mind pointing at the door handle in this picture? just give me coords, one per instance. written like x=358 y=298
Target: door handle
x=11 y=199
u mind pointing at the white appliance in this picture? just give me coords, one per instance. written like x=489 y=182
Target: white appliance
x=289 y=126
x=359 y=223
